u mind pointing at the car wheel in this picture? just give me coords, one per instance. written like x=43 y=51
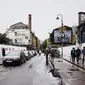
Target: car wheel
x=20 y=62
x=24 y=60
x=27 y=57
x=4 y=63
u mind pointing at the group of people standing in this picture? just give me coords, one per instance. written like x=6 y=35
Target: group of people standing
x=52 y=53
x=76 y=54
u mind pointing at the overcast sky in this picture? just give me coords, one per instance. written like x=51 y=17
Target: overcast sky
x=44 y=13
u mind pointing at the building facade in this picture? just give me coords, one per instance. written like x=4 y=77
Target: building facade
x=22 y=35
x=81 y=28
x=35 y=40
x=19 y=34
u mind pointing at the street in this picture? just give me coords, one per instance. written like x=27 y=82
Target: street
x=35 y=72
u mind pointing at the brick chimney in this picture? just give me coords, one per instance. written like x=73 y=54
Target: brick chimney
x=29 y=22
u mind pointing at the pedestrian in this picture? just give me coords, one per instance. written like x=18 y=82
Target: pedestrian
x=78 y=53
x=40 y=53
x=83 y=52
x=46 y=53
x=3 y=52
x=52 y=57
x=73 y=54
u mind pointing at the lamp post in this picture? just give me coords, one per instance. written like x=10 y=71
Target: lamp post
x=61 y=31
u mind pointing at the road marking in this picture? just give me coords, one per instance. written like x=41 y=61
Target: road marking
x=69 y=80
x=3 y=75
x=2 y=78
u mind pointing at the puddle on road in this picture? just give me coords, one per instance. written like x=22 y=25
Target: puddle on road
x=59 y=61
x=70 y=73
x=73 y=69
x=55 y=73
x=58 y=69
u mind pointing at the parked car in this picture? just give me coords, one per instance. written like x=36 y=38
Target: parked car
x=31 y=53
x=34 y=53
x=27 y=55
x=17 y=57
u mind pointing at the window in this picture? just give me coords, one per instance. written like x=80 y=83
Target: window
x=9 y=48
x=26 y=37
x=6 y=49
x=15 y=33
x=15 y=40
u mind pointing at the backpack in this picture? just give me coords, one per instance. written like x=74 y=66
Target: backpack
x=73 y=53
x=78 y=51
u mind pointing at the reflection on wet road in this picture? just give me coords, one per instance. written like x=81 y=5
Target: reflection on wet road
x=35 y=72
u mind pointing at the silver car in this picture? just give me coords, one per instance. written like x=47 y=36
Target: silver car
x=16 y=57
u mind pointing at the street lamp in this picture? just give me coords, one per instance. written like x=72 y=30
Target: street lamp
x=61 y=31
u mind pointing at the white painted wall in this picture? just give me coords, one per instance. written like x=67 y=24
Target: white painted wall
x=67 y=49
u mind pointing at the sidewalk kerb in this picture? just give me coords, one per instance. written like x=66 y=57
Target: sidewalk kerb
x=74 y=64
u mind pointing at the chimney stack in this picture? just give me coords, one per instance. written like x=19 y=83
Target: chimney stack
x=29 y=22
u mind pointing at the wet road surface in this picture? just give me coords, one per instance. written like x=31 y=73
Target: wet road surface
x=35 y=72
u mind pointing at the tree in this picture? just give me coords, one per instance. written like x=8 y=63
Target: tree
x=44 y=44
x=4 y=39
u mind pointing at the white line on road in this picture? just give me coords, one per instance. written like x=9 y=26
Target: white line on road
x=69 y=80
x=2 y=78
x=3 y=75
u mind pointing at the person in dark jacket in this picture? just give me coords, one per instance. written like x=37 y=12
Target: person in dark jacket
x=52 y=53
x=47 y=53
x=78 y=53
x=83 y=52
x=3 y=52
x=73 y=54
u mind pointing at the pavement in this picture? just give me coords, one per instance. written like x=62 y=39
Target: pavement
x=68 y=58
x=69 y=73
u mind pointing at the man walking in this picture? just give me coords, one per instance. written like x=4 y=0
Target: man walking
x=3 y=52
x=73 y=54
x=83 y=52
x=46 y=53
x=78 y=53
